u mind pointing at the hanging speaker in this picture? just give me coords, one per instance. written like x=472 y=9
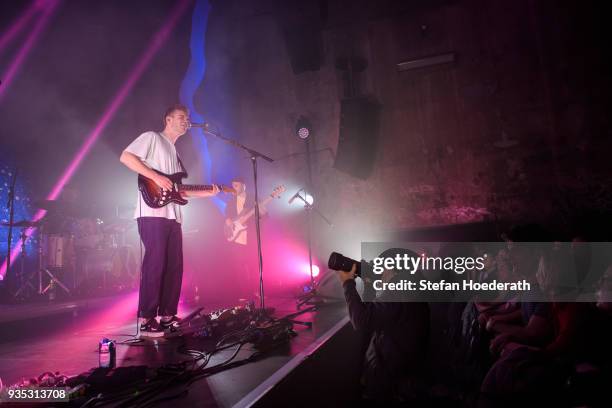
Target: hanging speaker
x=304 y=46
x=301 y=22
x=358 y=140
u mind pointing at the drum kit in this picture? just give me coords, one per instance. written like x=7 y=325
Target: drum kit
x=77 y=253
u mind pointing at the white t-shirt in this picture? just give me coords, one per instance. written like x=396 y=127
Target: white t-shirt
x=158 y=153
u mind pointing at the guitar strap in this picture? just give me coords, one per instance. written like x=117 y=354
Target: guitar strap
x=181 y=164
x=179 y=160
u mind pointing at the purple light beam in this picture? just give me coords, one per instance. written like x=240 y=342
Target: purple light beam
x=20 y=22
x=156 y=43
x=12 y=70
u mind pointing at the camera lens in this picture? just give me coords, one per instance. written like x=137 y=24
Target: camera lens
x=339 y=262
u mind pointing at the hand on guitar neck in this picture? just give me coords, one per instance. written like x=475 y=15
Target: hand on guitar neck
x=234 y=227
x=202 y=193
x=165 y=183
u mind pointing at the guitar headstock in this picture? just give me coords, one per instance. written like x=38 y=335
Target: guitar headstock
x=276 y=193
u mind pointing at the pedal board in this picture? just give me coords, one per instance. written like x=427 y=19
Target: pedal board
x=214 y=324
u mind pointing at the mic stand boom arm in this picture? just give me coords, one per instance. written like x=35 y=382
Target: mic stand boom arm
x=254 y=155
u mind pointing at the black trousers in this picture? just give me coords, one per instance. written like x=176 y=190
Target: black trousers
x=241 y=279
x=162 y=266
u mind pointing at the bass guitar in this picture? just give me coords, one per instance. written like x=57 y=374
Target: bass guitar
x=233 y=228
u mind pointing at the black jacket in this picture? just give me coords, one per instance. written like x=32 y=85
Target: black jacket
x=397 y=334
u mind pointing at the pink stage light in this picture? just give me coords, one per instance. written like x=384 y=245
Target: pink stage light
x=156 y=43
x=120 y=311
x=13 y=68
x=21 y=21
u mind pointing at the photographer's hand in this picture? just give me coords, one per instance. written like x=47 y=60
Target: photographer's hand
x=345 y=276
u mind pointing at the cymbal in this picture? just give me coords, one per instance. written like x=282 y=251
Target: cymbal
x=63 y=208
x=22 y=224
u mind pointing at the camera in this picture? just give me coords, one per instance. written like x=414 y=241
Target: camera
x=339 y=262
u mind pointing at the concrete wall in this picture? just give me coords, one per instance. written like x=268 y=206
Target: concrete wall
x=501 y=133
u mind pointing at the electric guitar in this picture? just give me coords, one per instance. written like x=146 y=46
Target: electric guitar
x=156 y=197
x=234 y=228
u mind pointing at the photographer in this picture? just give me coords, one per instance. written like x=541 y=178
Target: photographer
x=396 y=334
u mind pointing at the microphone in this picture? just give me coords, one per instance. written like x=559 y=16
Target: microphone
x=204 y=125
x=296 y=195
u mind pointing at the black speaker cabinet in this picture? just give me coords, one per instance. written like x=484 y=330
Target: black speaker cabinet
x=358 y=141
x=304 y=46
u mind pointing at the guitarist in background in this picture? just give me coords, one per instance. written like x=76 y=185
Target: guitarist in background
x=237 y=207
x=241 y=252
x=160 y=228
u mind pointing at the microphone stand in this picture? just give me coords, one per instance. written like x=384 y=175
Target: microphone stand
x=254 y=155
x=10 y=204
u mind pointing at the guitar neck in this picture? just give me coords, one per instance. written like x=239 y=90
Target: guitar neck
x=250 y=213
x=195 y=187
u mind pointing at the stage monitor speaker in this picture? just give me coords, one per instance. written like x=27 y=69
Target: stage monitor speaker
x=358 y=140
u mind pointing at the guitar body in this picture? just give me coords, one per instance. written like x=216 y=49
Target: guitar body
x=155 y=197
x=233 y=230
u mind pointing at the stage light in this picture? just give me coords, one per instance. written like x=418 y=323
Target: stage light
x=309 y=198
x=303 y=128
x=303 y=133
x=302 y=197
x=306 y=270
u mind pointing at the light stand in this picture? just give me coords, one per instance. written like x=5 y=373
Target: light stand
x=310 y=296
x=304 y=132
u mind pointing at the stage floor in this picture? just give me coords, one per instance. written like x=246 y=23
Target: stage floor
x=64 y=337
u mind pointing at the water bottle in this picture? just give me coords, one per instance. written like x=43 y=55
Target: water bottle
x=106 y=353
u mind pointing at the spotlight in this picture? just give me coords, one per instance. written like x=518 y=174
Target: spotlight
x=303 y=133
x=303 y=128
x=306 y=269
x=309 y=198
x=303 y=197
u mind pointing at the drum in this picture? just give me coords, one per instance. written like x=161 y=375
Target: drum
x=59 y=251
x=107 y=268
x=88 y=233
x=93 y=241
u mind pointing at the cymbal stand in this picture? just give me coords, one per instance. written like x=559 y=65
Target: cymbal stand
x=10 y=204
x=53 y=280
x=27 y=283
